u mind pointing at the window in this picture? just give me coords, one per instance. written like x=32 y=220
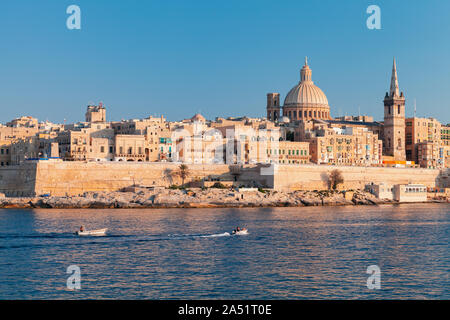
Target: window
x=102 y=149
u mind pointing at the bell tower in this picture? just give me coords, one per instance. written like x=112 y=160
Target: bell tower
x=394 y=120
x=273 y=106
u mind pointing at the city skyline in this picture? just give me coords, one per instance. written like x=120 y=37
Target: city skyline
x=222 y=71
x=224 y=151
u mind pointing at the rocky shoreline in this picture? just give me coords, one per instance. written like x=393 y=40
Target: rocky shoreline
x=196 y=198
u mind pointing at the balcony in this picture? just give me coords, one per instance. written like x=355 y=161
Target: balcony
x=134 y=156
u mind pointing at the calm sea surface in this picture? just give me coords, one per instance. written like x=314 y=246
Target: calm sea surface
x=289 y=253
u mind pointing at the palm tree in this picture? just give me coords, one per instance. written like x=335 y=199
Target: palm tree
x=183 y=172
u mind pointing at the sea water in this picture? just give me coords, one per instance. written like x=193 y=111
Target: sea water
x=289 y=253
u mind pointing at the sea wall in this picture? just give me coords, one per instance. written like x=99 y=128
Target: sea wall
x=310 y=177
x=75 y=178
x=17 y=181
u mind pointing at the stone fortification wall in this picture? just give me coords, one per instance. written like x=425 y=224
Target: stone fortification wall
x=310 y=177
x=75 y=178
x=17 y=181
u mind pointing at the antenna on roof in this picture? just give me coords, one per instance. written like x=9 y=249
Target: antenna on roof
x=415 y=108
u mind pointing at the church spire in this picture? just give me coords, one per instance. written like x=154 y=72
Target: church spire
x=395 y=91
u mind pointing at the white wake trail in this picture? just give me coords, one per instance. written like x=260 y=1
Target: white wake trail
x=225 y=234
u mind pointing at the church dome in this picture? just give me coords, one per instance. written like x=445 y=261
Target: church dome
x=306 y=92
x=306 y=100
x=198 y=118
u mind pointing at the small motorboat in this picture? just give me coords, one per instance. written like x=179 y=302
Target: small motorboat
x=240 y=232
x=99 y=232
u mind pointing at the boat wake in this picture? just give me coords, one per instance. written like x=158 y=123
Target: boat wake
x=225 y=234
x=66 y=239
x=183 y=236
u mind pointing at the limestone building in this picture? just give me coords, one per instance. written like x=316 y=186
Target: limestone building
x=289 y=152
x=344 y=146
x=430 y=155
x=445 y=135
x=96 y=113
x=15 y=131
x=424 y=134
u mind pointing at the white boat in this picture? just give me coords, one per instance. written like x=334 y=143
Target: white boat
x=240 y=232
x=99 y=232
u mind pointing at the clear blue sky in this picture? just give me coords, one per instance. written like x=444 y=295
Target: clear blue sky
x=219 y=58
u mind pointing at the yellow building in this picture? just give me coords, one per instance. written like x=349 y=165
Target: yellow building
x=11 y=135
x=445 y=135
x=430 y=155
x=26 y=121
x=345 y=146
x=289 y=152
x=423 y=142
x=95 y=114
